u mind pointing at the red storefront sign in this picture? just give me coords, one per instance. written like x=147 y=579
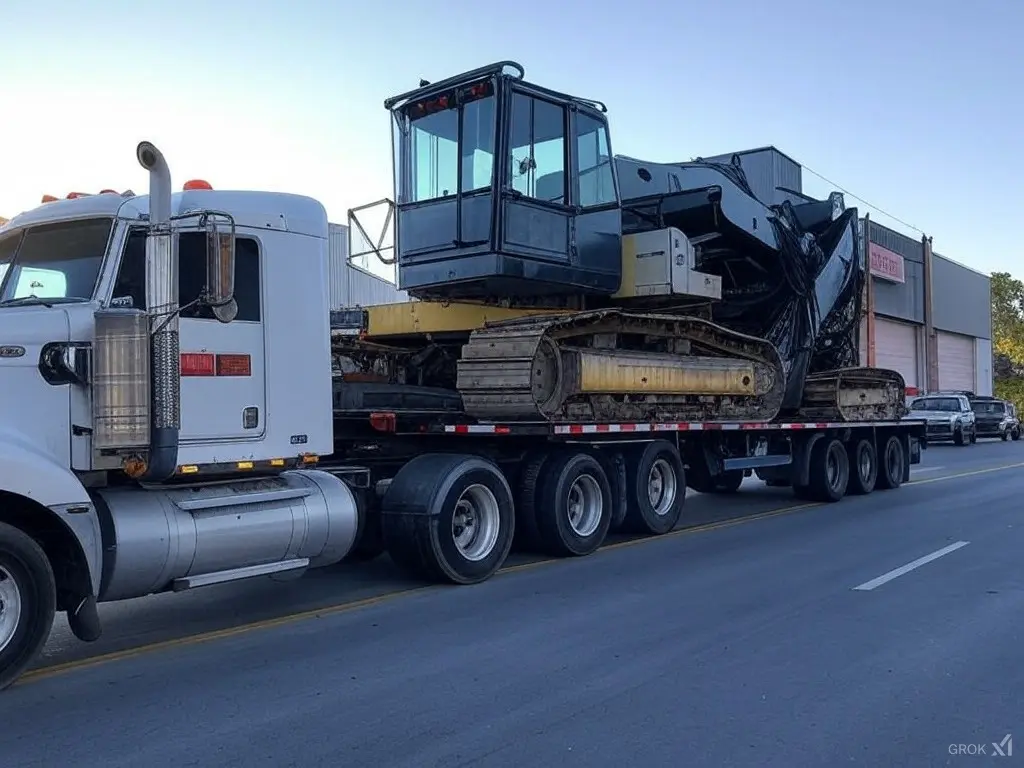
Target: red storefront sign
x=886 y=264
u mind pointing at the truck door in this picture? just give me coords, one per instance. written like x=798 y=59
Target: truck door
x=223 y=387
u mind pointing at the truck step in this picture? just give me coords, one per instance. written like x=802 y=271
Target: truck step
x=238 y=574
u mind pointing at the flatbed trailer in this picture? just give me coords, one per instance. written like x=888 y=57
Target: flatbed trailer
x=561 y=489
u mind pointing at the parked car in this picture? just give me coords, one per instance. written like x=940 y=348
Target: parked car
x=949 y=417
x=995 y=418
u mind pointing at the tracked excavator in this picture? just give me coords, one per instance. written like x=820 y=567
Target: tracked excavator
x=556 y=282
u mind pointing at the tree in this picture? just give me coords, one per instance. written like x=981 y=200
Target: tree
x=1008 y=337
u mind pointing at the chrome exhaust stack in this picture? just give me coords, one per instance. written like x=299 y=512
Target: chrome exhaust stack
x=162 y=307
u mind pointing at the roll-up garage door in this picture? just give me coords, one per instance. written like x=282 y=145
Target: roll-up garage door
x=896 y=348
x=956 y=361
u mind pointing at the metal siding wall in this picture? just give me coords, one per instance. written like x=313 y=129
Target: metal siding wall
x=765 y=170
x=901 y=300
x=962 y=299
x=983 y=366
x=351 y=286
x=956 y=361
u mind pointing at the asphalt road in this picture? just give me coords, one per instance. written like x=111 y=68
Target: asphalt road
x=747 y=643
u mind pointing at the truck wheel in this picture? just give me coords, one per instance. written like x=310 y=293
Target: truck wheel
x=1015 y=434
x=449 y=517
x=890 y=468
x=527 y=536
x=864 y=472
x=729 y=481
x=656 y=482
x=575 y=509
x=829 y=470
x=974 y=435
x=28 y=602
x=370 y=538
x=958 y=437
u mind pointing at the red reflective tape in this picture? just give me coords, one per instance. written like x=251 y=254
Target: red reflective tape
x=197 y=364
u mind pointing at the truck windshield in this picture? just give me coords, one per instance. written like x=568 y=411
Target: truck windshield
x=991 y=409
x=53 y=262
x=428 y=148
x=950 y=404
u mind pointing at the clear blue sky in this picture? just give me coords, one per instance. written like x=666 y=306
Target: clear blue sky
x=914 y=106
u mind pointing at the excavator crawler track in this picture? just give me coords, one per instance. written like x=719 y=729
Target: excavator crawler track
x=854 y=394
x=577 y=366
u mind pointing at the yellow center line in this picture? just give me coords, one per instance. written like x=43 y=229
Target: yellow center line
x=338 y=608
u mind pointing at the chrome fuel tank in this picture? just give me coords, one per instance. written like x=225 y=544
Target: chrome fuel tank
x=158 y=539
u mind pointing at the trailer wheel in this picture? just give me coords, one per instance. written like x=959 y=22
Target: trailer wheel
x=656 y=483
x=575 y=506
x=449 y=517
x=890 y=468
x=28 y=602
x=729 y=481
x=829 y=470
x=527 y=536
x=864 y=472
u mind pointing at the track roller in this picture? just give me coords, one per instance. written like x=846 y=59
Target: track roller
x=28 y=602
x=574 y=505
x=829 y=471
x=892 y=464
x=863 y=467
x=656 y=488
x=449 y=517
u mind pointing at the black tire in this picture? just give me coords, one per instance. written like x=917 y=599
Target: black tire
x=370 y=538
x=527 y=535
x=582 y=476
x=803 y=492
x=1005 y=435
x=729 y=481
x=863 y=468
x=974 y=435
x=425 y=512
x=614 y=464
x=656 y=466
x=829 y=470
x=958 y=437
x=891 y=464
x=698 y=477
x=1015 y=434
x=25 y=571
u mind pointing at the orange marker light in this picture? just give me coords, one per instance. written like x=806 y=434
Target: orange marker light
x=76 y=195
x=49 y=199
x=195 y=184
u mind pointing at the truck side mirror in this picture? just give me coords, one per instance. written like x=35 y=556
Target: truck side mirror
x=220 y=274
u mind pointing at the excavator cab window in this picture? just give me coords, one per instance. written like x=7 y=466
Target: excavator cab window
x=438 y=163
x=503 y=189
x=594 y=161
x=536 y=163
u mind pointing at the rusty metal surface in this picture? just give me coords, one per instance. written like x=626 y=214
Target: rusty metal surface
x=529 y=370
x=854 y=394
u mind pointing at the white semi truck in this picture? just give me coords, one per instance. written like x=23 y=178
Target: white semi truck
x=170 y=420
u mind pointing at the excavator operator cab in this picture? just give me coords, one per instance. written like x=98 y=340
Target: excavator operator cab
x=503 y=189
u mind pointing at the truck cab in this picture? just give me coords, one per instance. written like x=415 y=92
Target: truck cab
x=167 y=379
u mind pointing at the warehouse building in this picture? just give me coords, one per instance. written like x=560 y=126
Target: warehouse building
x=356 y=285
x=925 y=315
